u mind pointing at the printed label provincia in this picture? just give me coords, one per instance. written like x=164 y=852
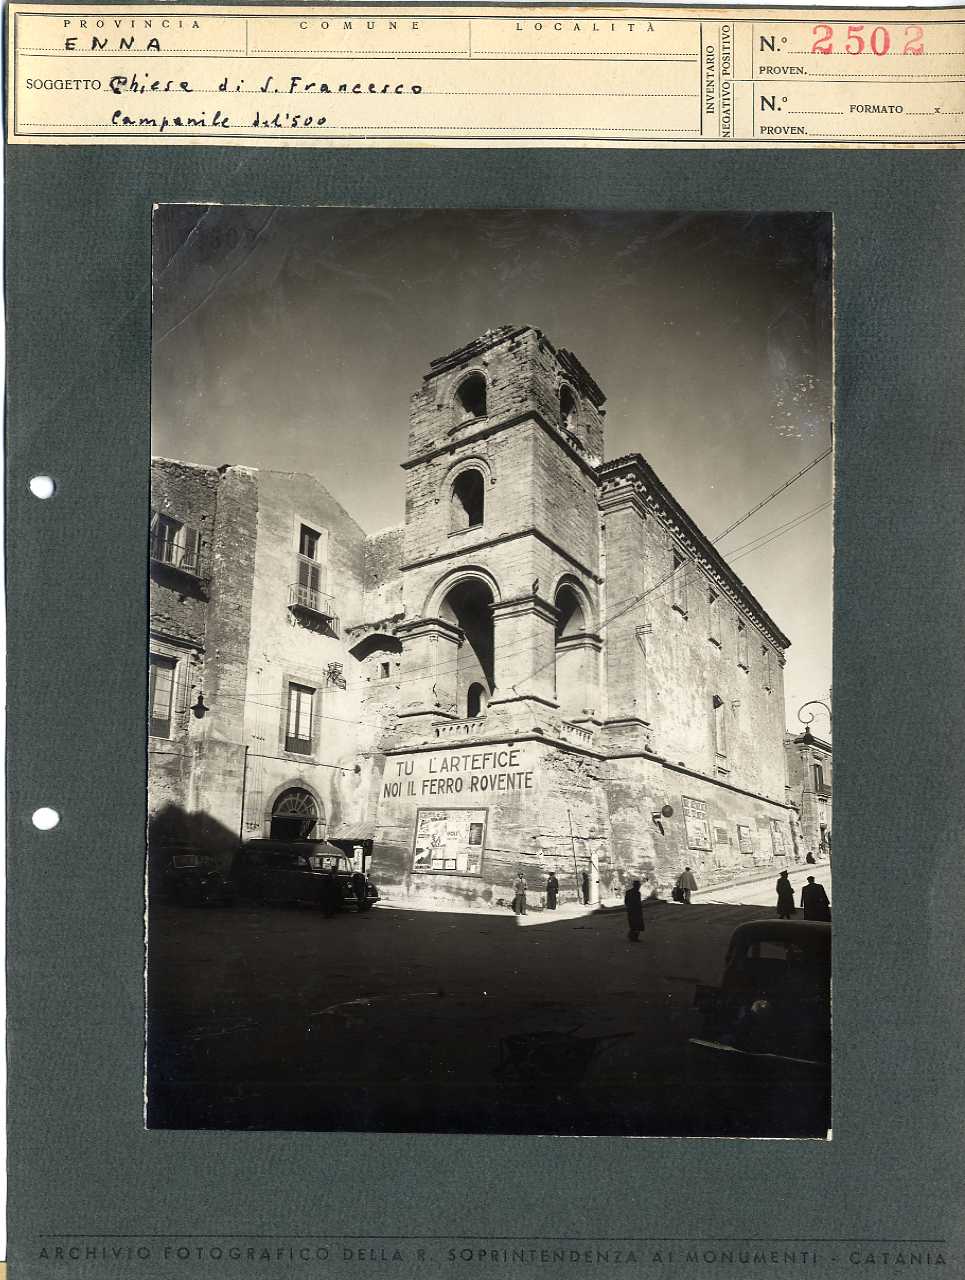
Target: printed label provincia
x=447 y=75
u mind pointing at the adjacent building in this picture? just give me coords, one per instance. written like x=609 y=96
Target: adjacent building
x=548 y=666
x=809 y=789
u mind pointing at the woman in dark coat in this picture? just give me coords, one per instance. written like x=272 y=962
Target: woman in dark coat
x=552 y=891
x=631 y=900
x=785 y=896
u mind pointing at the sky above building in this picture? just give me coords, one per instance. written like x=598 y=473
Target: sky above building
x=292 y=339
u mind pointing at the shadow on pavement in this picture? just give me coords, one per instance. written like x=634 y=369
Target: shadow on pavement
x=395 y=1021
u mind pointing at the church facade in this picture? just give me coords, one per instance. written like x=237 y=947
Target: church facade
x=547 y=667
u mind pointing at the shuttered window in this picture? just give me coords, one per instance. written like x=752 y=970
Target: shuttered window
x=741 y=644
x=308 y=569
x=298 y=726
x=175 y=543
x=161 y=695
x=679 y=572
x=713 y=624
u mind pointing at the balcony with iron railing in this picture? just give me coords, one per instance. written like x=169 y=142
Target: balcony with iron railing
x=313 y=606
x=179 y=550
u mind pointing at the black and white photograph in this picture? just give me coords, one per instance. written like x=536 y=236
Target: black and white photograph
x=489 y=701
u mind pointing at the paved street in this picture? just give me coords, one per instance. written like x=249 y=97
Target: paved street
x=434 y=1022
x=762 y=893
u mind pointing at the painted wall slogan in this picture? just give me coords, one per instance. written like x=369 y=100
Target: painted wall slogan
x=470 y=773
x=449 y=840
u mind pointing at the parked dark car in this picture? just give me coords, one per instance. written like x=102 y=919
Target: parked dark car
x=191 y=877
x=309 y=872
x=764 y=1043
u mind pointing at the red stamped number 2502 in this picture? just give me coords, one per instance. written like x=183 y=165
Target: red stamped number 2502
x=858 y=38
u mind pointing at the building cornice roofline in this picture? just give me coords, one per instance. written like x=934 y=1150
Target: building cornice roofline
x=632 y=466
x=506 y=333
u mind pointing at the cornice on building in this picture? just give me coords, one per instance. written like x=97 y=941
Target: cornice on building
x=631 y=474
x=530 y=531
x=490 y=428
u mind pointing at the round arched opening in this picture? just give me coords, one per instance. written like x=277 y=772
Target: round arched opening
x=471 y=397
x=574 y=659
x=469 y=606
x=294 y=815
x=570 y=620
x=476 y=699
x=569 y=411
x=467 y=500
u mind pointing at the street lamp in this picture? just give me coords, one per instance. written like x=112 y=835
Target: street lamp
x=807 y=717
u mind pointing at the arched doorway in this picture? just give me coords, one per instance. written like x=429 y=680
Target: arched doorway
x=469 y=605
x=294 y=815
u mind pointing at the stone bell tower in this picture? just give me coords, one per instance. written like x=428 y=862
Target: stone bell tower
x=501 y=561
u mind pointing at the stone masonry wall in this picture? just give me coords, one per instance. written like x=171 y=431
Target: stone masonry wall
x=657 y=851
x=220 y=764
x=287 y=647
x=178 y=619
x=528 y=827
x=186 y=493
x=686 y=667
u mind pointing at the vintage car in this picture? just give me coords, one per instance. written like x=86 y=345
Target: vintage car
x=308 y=872
x=190 y=876
x=765 y=1036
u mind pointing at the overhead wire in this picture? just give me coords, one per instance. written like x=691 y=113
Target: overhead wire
x=674 y=578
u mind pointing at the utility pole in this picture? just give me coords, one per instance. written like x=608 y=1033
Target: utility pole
x=576 y=869
x=244 y=787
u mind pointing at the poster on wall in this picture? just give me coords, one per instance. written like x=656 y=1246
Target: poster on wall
x=695 y=820
x=745 y=839
x=449 y=840
x=779 y=838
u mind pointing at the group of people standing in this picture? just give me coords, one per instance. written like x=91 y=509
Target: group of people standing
x=814 y=900
x=551 y=892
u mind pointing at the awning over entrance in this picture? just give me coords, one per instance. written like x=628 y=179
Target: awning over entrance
x=347 y=834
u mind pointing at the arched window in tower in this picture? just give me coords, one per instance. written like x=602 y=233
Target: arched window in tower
x=574 y=678
x=467 y=501
x=471 y=397
x=469 y=606
x=569 y=411
x=476 y=699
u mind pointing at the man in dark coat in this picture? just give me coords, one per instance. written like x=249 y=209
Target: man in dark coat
x=331 y=897
x=785 y=896
x=814 y=901
x=552 y=891
x=585 y=887
x=634 y=906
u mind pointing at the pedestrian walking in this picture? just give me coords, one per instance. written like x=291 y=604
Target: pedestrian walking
x=634 y=906
x=814 y=901
x=585 y=887
x=686 y=883
x=359 y=887
x=331 y=896
x=552 y=891
x=519 y=901
x=785 y=897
